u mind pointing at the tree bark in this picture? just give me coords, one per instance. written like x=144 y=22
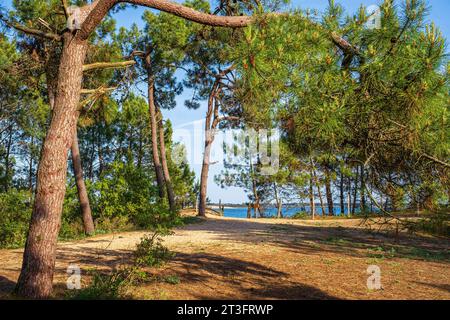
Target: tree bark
x=86 y=213
x=312 y=205
x=278 y=201
x=328 y=192
x=154 y=127
x=36 y=277
x=355 y=192
x=162 y=146
x=362 y=190
x=85 y=208
x=341 y=193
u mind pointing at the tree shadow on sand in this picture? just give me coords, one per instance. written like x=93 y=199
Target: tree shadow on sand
x=315 y=240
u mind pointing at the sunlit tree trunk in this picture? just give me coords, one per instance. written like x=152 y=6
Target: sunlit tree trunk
x=154 y=127
x=168 y=182
x=86 y=213
x=38 y=264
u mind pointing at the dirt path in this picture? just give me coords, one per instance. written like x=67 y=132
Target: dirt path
x=224 y=258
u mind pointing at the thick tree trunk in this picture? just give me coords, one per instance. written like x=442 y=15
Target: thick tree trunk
x=36 y=277
x=154 y=128
x=162 y=146
x=86 y=213
x=85 y=208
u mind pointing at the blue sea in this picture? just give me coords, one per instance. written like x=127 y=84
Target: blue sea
x=241 y=212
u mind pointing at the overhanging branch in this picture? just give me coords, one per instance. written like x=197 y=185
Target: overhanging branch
x=33 y=32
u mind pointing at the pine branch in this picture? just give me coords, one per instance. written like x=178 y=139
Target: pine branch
x=29 y=31
x=100 y=90
x=108 y=65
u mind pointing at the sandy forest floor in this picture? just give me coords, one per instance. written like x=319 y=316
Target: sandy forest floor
x=224 y=258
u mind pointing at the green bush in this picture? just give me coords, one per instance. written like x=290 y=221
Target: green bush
x=435 y=224
x=109 y=286
x=301 y=215
x=151 y=253
x=15 y=214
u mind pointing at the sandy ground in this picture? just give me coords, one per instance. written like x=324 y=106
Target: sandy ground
x=225 y=258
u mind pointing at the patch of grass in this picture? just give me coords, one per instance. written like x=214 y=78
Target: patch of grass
x=382 y=253
x=429 y=255
x=191 y=220
x=172 y=279
x=111 y=286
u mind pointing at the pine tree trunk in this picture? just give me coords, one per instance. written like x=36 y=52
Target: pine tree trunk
x=7 y=158
x=362 y=190
x=355 y=192
x=328 y=192
x=162 y=146
x=86 y=213
x=154 y=128
x=36 y=277
x=312 y=204
x=209 y=138
x=52 y=86
x=278 y=201
x=204 y=178
x=341 y=194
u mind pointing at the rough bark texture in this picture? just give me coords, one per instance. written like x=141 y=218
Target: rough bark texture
x=101 y=8
x=36 y=277
x=86 y=213
x=52 y=86
x=154 y=128
x=162 y=146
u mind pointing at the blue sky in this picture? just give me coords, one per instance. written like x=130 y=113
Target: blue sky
x=180 y=116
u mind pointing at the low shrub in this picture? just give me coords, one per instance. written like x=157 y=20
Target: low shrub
x=150 y=252
x=111 y=286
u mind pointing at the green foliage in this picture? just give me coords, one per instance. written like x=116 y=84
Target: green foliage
x=111 y=286
x=15 y=214
x=151 y=253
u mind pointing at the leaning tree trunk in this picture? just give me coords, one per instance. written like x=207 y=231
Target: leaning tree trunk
x=154 y=129
x=204 y=178
x=210 y=126
x=36 y=277
x=162 y=146
x=86 y=213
